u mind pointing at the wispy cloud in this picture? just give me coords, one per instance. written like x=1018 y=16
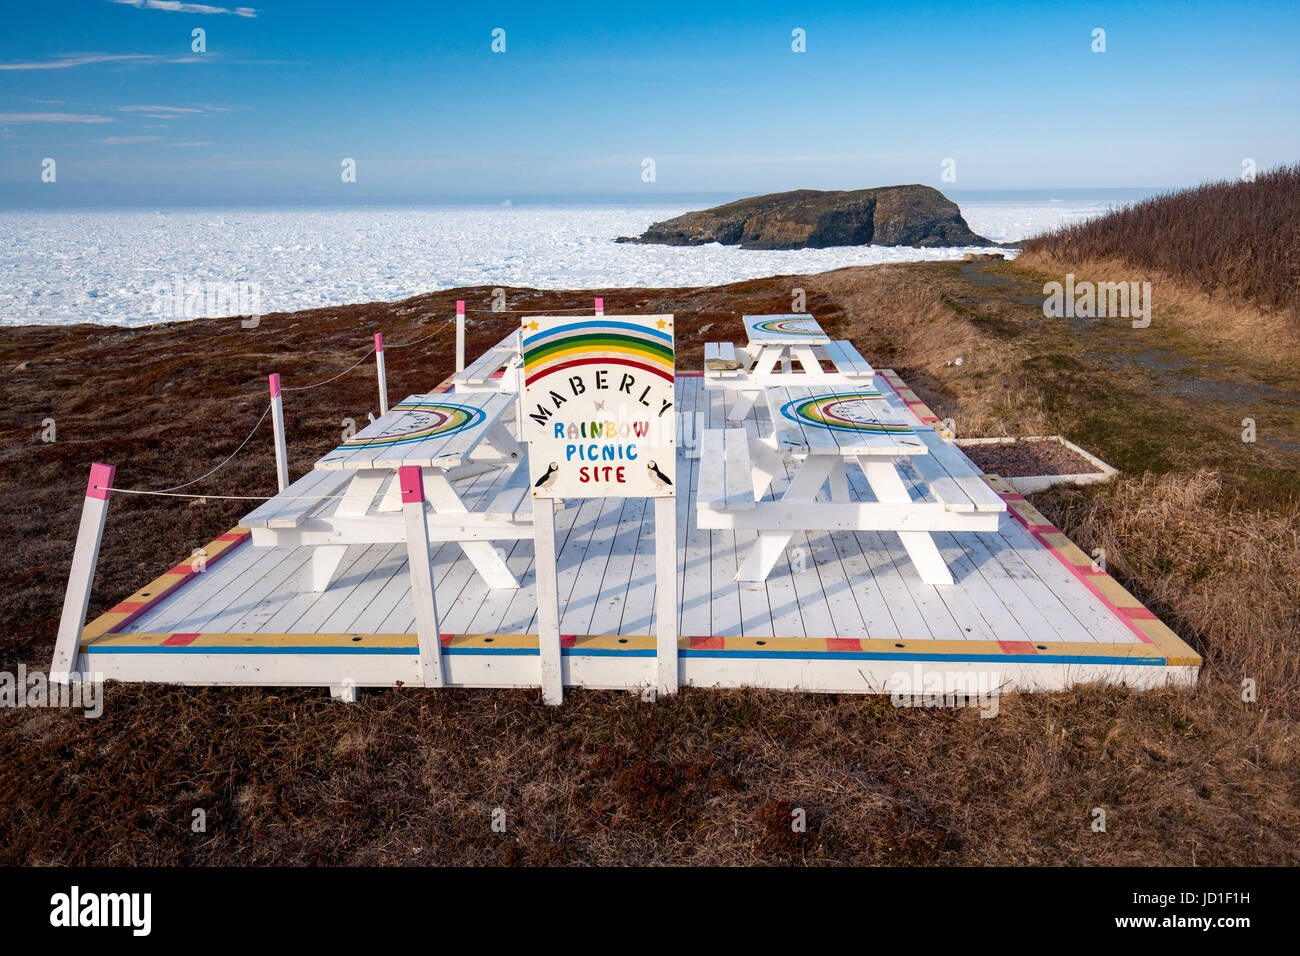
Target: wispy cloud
x=70 y=60
x=124 y=140
x=171 y=6
x=53 y=118
x=159 y=109
x=188 y=145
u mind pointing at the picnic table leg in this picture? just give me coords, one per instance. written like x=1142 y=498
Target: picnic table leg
x=501 y=445
x=887 y=486
x=763 y=556
x=839 y=481
x=766 y=465
x=325 y=560
x=808 y=360
x=767 y=357
x=442 y=496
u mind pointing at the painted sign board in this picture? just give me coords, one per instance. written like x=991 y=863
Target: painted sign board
x=600 y=416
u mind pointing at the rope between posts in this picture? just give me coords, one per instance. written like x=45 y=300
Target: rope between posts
x=436 y=332
x=303 y=388
x=195 y=481
x=170 y=494
x=172 y=491
x=537 y=311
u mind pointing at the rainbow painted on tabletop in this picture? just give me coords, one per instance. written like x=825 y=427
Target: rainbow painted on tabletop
x=598 y=342
x=842 y=413
x=789 y=327
x=448 y=419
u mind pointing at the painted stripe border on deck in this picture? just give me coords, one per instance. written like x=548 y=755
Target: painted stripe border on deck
x=1159 y=646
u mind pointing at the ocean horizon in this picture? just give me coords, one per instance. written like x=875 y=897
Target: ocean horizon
x=122 y=266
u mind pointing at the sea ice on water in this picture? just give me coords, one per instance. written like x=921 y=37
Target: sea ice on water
x=107 y=266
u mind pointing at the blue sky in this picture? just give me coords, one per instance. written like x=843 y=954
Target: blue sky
x=287 y=89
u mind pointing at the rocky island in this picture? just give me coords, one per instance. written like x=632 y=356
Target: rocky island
x=912 y=215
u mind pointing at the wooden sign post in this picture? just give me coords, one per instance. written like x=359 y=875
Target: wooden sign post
x=600 y=419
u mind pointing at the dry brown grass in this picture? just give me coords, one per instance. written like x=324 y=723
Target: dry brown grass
x=1237 y=239
x=1216 y=321
x=1201 y=531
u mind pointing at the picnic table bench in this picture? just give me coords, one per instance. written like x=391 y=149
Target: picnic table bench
x=783 y=339
x=821 y=432
x=352 y=496
x=494 y=370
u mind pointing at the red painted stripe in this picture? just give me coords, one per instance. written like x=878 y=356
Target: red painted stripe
x=599 y=361
x=1018 y=647
x=180 y=640
x=185 y=569
x=707 y=644
x=1078 y=572
x=133 y=609
x=568 y=640
x=444 y=640
x=1137 y=613
x=843 y=644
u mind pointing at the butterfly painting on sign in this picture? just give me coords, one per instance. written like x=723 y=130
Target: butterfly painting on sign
x=599 y=412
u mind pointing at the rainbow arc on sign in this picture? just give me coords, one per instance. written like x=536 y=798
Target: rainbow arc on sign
x=599 y=342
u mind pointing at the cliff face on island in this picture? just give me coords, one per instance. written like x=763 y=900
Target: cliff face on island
x=814 y=219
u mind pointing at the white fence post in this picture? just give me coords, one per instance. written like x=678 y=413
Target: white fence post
x=666 y=595
x=411 y=480
x=84 y=559
x=383 y=375
x=548 y=600
x=277 y=424
x=600 y=306
x=460 y=336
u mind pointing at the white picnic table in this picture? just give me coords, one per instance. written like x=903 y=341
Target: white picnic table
x=352 y=495
x=821 y=432
x=785 y=340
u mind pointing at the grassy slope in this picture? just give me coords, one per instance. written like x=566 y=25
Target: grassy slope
x=1199 y=524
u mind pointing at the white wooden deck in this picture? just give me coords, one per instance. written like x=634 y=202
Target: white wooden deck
x=1009 y=586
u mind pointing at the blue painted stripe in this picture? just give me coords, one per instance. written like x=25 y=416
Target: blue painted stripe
x=649 y=652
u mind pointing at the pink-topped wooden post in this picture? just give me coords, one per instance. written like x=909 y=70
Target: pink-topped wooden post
x=411 y=481
x=383 y=375
x=460 y=336
x=600 y=306
x=85 y=557
x=277 y=424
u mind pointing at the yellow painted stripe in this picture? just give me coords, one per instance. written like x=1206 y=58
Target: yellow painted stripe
x=1176 y=651
x=157 y=588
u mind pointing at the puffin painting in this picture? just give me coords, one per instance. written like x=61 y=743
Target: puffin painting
x=548 y=479
x=658 y=477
